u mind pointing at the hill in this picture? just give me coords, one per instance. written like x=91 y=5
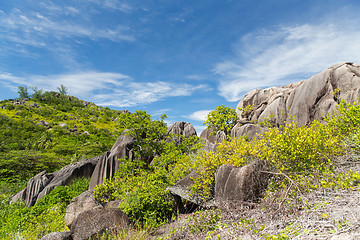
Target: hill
x=49 y=131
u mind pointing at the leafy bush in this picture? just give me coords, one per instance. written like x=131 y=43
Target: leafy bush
x=222 y=119
x=289 y=150
x=148 y=134
x=143 y=189
x=19 y=221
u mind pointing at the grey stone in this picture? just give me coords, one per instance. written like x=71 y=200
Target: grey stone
x=42 y=184
x=95 y=222
x=182 y=190
x=43 y=123
x=248 y=130
x=182 y=128
x=239 y=185
x=63 y=125
x=304 y=101
x=212 y=138
x=109 y=164
x=79 y=204
x=57 y=236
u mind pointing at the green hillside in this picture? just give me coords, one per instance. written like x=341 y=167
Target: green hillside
x=49 y=131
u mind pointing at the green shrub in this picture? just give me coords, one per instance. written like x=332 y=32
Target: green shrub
x=142 y=190
x=19 y=221
x=222 y=119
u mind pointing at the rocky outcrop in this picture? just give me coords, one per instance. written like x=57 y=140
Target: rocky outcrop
x=182 y=190
x=238 y=185
x=79 y=204
x=44 y=183
x=182 y=128
x=249 y=130
x=97 y=221
x=109 y=164
x=233 y=186
x=212 y=138
x=304 y=101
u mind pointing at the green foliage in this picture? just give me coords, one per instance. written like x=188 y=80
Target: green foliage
x=148 y=134
x=37 y=92
x=21 y=222
x=246 y=110
x=23 y=92
x=142 y=189
x=292 y=151
x=62 y=89
x=27 y=147
x=221 y=119
x=346 y=118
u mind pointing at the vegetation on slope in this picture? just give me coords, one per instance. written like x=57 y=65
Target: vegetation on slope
x=74 y=130
x=300 y=160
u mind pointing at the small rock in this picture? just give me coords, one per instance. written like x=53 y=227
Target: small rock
x=57 y=236
x=43 y=123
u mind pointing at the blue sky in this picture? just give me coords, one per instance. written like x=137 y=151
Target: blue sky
x=182 y=58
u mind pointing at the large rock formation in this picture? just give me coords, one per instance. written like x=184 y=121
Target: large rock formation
x=109 y=164
x=181 y=129
x=304 y=101
x=212 y=138
x=248 y=130
x=97 y=221
x=44 y=183
x=79 y=204
x=239 y=185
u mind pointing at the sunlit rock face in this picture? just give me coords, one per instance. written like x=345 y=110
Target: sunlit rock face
x=304 y=101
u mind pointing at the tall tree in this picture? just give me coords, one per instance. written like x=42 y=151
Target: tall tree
x=62 y=89
x=23 y=92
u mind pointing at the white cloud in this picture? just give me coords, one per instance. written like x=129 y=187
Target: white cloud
x=113 y=4
x=287 y=54
x=137 y=93
x=35 y=26
x=199 y=115
x=105 y=88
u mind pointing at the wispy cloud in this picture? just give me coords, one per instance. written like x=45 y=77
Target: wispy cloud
x=287 y=54
x=105 y=88
x=138 y=93
x=199 y=115
x=34 y=26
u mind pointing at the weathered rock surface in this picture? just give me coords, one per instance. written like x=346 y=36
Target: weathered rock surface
x=182 y=128
x=304 y=101
x=182 y=190
x=93 y=223
x=248 y=130
x=79 y=204
x=238 y=185
x=212 y=138
x=43 y=123
x=108 y=165
x=57 y=236
x=43 y=183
